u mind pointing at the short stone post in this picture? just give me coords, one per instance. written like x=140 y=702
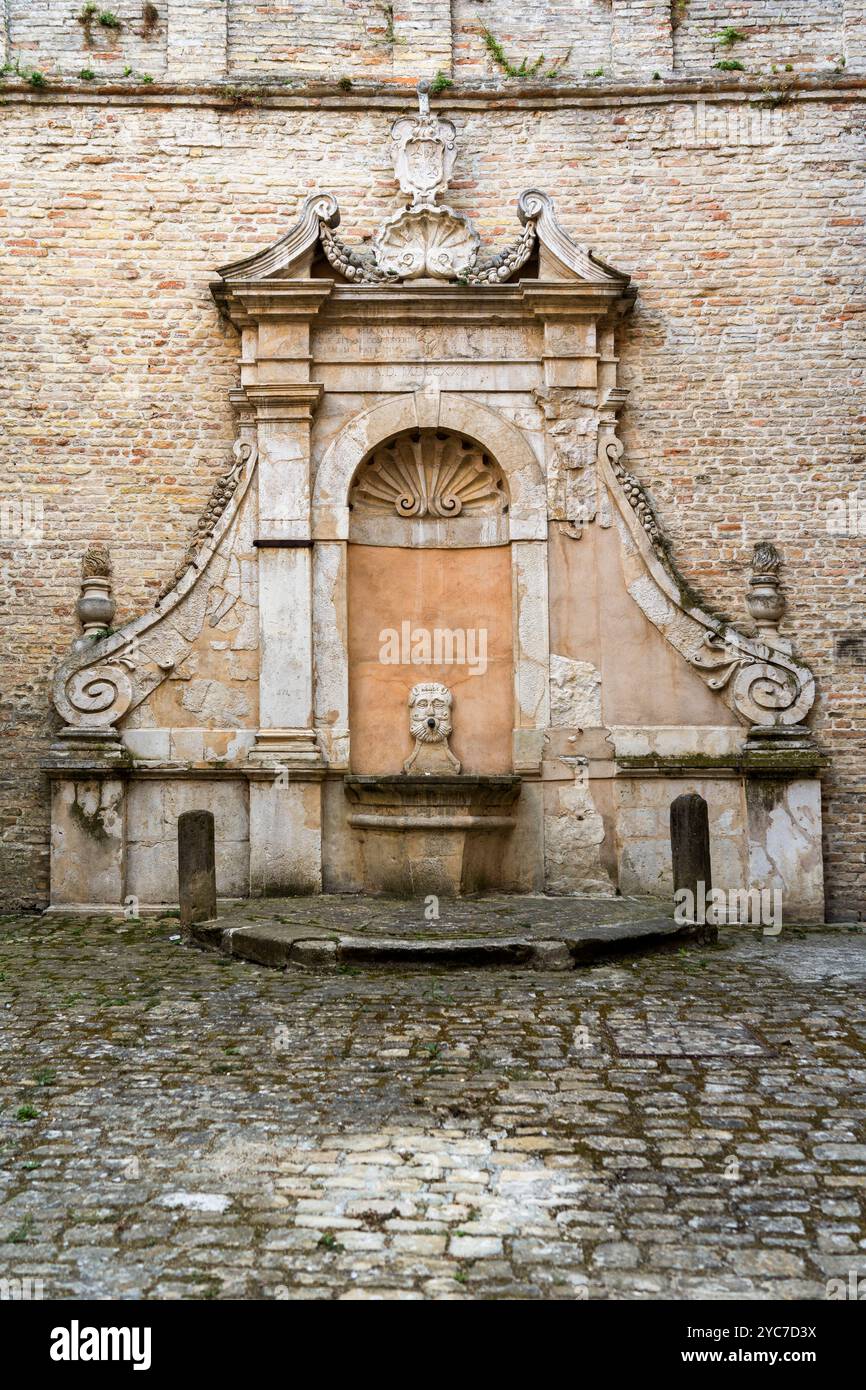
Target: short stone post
x=196 y=867
x=690 y=847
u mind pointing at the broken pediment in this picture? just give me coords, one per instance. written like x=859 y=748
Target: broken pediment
x=426 y=240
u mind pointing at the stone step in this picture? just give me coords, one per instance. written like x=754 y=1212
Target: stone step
x=546 y=943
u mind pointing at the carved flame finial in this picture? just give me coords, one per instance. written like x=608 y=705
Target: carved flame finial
x=765 y=599
x=766 y=558
x=96 y=562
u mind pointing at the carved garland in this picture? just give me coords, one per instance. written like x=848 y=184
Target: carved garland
x=496 y=269
x=634 y=493
x=356 y=266
x=221 y=494
x=360 y=267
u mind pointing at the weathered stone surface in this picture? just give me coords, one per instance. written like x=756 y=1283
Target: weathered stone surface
x=540 y=934
x=196 y=867
x=690 y=843
x=695 y=391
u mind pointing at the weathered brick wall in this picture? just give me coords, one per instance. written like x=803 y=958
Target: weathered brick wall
x=742 y=227
x=573 y=36
x=797 y=32
x=377 y=40
x=50 y=36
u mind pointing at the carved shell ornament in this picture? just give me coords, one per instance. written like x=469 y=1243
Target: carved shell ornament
x=433 y=242
x=428 y=473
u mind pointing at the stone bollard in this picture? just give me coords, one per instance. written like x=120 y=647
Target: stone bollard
x=690 y=846
x=196 y=867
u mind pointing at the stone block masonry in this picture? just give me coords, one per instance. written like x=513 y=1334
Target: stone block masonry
x=739 y=217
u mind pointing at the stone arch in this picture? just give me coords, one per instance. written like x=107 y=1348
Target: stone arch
x=430 y=410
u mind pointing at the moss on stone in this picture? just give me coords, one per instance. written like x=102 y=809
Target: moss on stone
x=89 y=822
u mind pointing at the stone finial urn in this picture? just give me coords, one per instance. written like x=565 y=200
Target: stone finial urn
x=96 y=606
x=765 y=599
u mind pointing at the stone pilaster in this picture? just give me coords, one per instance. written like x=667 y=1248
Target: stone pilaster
x=284 y=413
x=641 y=38
x=197 y=39
x=285 y=800
x=422 y=39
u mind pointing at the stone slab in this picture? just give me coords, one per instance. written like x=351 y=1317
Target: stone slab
x=553 y=934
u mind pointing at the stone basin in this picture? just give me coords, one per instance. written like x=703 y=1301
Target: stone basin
x=434 y=834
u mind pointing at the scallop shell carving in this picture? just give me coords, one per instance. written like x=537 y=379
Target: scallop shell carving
x=432 y=241
x=429 y=473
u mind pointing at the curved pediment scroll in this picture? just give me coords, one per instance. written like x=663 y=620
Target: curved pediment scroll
x=317 y=210
x=106 y=675
x=761 y=680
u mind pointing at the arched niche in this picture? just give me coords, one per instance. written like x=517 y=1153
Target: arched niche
x=446 y=410
x=430 y=488
x=497 y=531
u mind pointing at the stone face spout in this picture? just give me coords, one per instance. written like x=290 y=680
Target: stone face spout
x=430 y=725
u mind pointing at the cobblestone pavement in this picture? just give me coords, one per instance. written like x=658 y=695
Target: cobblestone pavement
x=178 y=1125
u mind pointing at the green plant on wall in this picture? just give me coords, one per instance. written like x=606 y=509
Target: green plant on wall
x=91 y=14
x=727 y=37
x=149 y=20
x=31 y=75
x=678 y=12
x=388 y=12
x=526 y=69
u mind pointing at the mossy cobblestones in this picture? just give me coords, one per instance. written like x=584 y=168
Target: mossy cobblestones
x=683 y=1125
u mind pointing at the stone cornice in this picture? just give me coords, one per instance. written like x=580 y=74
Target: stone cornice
x=412 y=302
x=246 y=302
x=568 y=299
x=254 y=92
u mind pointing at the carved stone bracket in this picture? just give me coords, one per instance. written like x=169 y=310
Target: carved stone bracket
x=572 y=437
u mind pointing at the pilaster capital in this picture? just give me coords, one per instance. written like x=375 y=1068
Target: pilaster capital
x=292 y=401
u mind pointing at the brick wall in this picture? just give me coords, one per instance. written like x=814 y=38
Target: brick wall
x=377 y=40
x=800 y=32
x=742 y=226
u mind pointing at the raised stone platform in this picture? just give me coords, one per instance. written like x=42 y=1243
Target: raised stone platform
x=326 y=932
